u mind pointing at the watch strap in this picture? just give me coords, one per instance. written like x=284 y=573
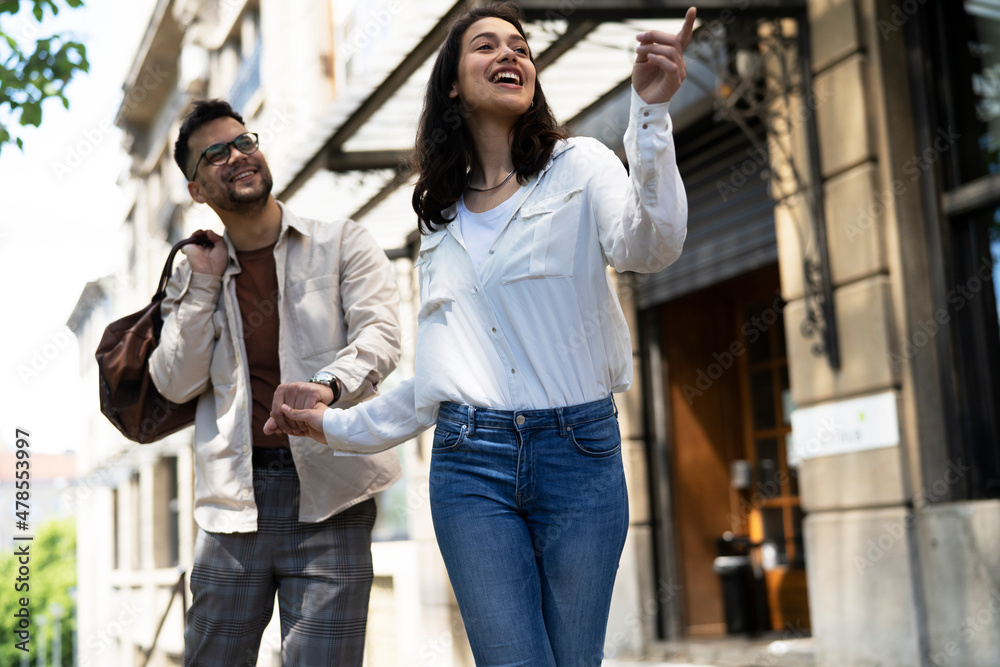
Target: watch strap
x=331 y=381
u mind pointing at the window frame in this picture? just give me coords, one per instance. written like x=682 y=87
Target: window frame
x=952 y=202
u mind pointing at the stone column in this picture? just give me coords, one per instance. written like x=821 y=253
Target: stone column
x=866 y=600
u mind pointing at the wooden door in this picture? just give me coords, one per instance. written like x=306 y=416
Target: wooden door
x=771 y=505
x=727 y=379
x=706 y=435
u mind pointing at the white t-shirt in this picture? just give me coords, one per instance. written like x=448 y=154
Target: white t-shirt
x=479 y=230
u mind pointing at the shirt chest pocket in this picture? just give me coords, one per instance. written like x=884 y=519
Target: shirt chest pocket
x=315 y=307
x=542 y=242
x=436 y=284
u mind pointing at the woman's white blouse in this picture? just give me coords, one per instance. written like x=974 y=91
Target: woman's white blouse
x=539 y=325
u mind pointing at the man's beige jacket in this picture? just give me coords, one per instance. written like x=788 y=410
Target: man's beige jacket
x=339 y=310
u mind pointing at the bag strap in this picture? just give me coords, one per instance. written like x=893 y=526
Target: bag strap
x=168 y=268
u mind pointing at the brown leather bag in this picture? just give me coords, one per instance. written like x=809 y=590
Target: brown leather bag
x=129 y=399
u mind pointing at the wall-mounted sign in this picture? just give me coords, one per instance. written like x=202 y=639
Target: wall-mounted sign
x=870 y=422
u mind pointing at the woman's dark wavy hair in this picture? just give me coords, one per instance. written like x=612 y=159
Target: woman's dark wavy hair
x=444 y=150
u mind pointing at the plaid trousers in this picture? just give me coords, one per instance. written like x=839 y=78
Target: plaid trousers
x=322 y=573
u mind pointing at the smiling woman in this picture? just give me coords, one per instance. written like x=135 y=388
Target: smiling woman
x=467 y=95
x=496 y=82
x=527 y=486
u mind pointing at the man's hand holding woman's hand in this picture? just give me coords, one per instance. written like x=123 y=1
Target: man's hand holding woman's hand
x=298 y=409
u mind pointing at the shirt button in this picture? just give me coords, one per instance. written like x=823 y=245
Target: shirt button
x=475 y=290
x=646 y=113
x=494 y=329
x=246 y=448
x=512 y=371
x=246 y=493
x=644 y=126
x=492 y=251
x=520 y=420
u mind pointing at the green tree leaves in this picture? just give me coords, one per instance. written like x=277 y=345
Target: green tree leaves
x=47 y=576
x=31 y=73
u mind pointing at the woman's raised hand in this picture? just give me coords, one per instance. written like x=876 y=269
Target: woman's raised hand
x=659 y=66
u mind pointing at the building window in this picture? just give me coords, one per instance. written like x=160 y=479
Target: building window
x=248 y=47
x=366 y=30
x=130 y=232
x=115 y=528
x=172 y=528
x=133 y=525
x=963 y=138
x=166 y=537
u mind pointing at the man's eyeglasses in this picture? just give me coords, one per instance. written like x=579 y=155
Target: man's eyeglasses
x=218 y=154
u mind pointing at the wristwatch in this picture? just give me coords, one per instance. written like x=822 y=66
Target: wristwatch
x=330 y=380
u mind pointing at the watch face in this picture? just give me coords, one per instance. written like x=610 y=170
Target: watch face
x=324 y=377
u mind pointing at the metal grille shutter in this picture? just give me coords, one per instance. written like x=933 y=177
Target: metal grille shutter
x=730 y=212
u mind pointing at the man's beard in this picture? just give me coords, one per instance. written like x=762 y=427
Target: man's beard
x=231 y=201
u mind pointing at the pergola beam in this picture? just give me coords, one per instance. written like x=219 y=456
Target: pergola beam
x=620 y=10
x=425 y=49
x=393 y=184
x=575 y=33
x=367 y=160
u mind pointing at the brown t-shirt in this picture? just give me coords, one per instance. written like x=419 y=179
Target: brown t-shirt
x=257 y=294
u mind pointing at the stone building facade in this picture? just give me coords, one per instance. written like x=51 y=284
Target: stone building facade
x=812 y=442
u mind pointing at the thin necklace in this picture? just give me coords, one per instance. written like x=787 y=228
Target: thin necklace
x=495 y=186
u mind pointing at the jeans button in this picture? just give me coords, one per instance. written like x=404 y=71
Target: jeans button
x=520 y=420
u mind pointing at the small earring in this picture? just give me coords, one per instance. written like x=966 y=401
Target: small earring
x=532 y=104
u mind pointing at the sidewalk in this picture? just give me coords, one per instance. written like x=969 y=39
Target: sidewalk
x=728 y=652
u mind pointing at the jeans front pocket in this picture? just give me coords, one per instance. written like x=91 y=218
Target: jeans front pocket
x=600 y=438
x=449 y=436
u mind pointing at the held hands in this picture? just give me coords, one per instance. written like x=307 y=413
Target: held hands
x=659 y=66
x=212 y=261
x=298 y=409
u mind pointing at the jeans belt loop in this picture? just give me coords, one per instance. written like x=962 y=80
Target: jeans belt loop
x=472 y=421
x=614 y=404
x=562 y=422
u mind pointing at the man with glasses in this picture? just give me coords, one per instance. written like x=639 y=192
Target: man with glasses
x=278 y=310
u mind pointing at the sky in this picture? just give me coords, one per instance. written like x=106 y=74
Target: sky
x=60 y=216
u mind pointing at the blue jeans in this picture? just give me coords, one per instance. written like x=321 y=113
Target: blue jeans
x=530 y=511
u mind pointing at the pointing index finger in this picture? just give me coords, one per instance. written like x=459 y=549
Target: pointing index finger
x=684 y=36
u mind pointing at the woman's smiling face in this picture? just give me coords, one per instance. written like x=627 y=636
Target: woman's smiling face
x=495 y=73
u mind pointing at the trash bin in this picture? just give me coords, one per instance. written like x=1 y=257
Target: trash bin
x=736 y=578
